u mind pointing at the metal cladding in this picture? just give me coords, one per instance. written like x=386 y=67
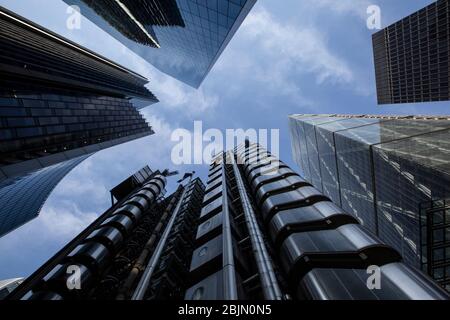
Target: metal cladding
x=139 y=249
x=96 y=249
x=258 y=232
x=217 y=262
x=324 y=251
x=266 y=233
x=169 y=280
x=399 y=282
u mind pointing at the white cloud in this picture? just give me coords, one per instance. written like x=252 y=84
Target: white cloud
x=64 y=220
x=288 y=57
x=355 y=7
x=177 y=96
x=302 y=49
x=159 y=147
x=173 y=94
x=72 y=186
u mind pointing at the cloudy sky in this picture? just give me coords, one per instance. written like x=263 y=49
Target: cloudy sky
x=290 y=56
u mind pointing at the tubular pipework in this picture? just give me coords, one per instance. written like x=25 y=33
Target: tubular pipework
x=143 y=284
x=230 y=288
x=270 y=286
x=139 y=264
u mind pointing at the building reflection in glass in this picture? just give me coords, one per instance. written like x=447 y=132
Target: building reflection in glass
x=182 y=38
x=380 y=169
x=59 y=101
x=135 y=19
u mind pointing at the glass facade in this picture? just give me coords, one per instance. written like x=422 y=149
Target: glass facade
x=409 y=173
x=43 y=123
x=182 y=38
x=326 y=144
x=22 y=198
x=379 y=169
x=32 y=53
x=435 y=240
x=59 y=101
x=355 y=178
x=412 y=57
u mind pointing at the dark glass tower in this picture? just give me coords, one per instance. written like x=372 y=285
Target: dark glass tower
x=387 y=172
x=134 y=19
x=261 y=233
x=412 y=57
x=22 y=198
x=59 y=101
x=183 y=38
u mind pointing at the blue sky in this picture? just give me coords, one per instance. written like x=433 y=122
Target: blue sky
x=290 y=56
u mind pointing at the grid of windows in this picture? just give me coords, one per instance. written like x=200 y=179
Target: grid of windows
x=326 y=144
x=380 y=169
x=409 y=172
x=435 y=235
x=328 y=165
x=29 y=51
x=189 y=50
x=46 y=121
x=22 y=198
x=355 y=176
x=297 y=143
x=412 y=57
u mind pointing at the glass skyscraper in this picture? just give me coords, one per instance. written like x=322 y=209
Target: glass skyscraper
x=59 y=101
x=22 y=198
x=182 y=38
x=384 y=171
x=412 y=57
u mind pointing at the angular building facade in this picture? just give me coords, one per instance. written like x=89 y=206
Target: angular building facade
x=390 y=173
x=267 y=233
x=182 y=38
x=60 y=101
x=258 y=231
x=138 y=249
x=21 y=198
x=412 y=57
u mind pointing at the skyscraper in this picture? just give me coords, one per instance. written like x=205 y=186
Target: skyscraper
x=21 y=198
x=266 y=233
x=59 y=101
x=261 y=233
x=138 y=249
x=391 y=173
x=182 y=38
x=412 y=57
